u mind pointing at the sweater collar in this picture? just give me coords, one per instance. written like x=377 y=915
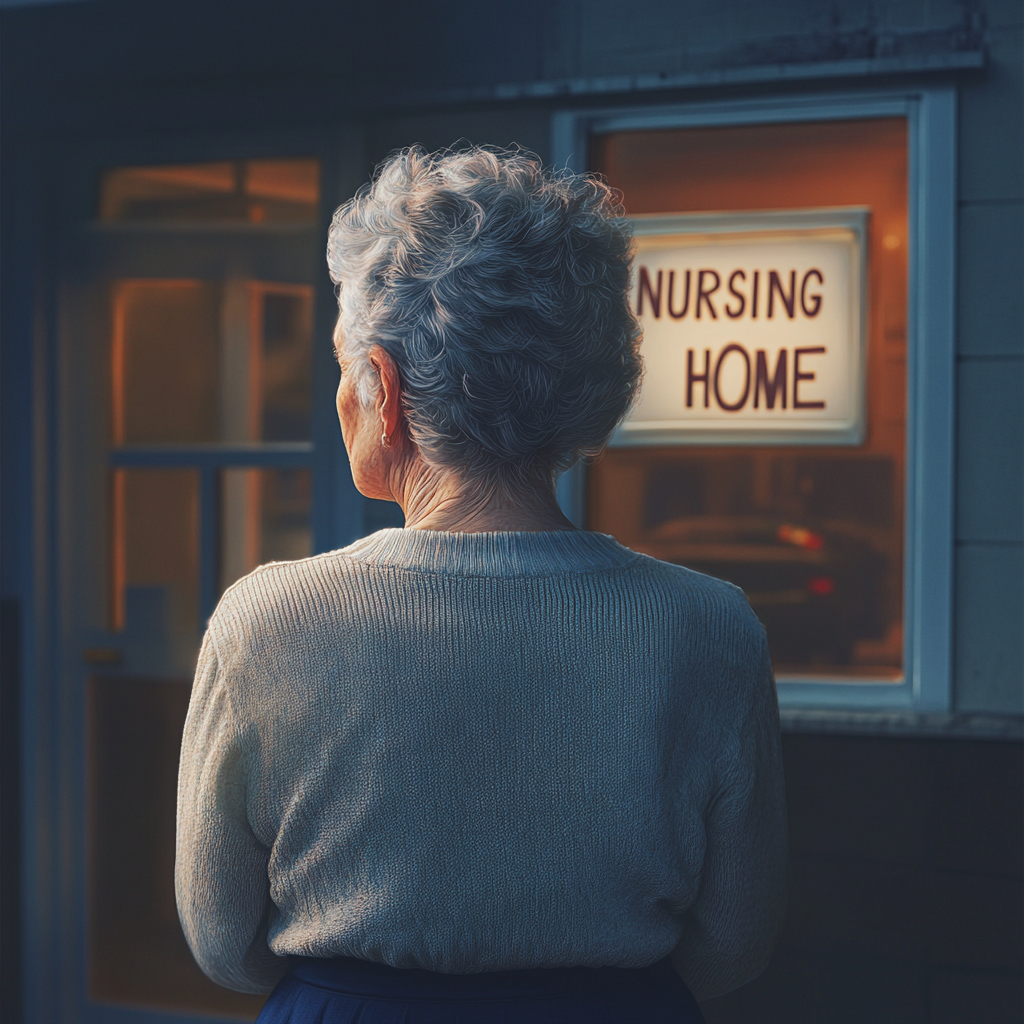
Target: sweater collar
x=492 y=554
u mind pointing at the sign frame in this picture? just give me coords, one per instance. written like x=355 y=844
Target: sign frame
x=747 y=225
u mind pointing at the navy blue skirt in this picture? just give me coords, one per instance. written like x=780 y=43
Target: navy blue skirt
x=347 y=991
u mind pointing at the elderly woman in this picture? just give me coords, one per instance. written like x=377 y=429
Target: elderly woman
x=487 y=767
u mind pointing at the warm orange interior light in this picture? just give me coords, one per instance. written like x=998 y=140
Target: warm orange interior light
x=813 y=534
x=252 y=191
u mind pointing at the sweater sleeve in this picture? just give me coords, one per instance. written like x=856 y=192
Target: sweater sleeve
x=221 y=879
x=730 y=931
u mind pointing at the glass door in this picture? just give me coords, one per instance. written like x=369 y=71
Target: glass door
x=192 y=458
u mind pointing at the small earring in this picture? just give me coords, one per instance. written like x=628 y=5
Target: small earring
x=385 y=441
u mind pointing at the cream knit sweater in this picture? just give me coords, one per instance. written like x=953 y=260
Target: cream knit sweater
x=480 y=752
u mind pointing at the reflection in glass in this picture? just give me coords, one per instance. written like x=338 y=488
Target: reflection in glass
x=813 y=535
x=200 y=362
x=240 y=191
x=809 y=538
x=138 y=955
x=266 y=518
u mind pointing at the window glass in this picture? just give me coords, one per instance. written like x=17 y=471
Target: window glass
x=199 y=361
x=166 y=372
x=285 y=318
x=240 y=191
x=812 y=533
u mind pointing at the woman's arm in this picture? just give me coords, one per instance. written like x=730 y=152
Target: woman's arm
x=731 y=930
x=221 y=869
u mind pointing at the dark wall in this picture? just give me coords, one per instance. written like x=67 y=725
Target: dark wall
x=159 y=64
x=905 y=887
x=989 y=602
x=10 y=811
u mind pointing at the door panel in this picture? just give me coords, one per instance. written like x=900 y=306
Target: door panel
x=195 y=294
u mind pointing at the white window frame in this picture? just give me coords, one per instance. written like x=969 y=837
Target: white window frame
x=928 y=570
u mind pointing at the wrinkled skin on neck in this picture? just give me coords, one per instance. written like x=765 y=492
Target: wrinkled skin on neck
x=432 y=498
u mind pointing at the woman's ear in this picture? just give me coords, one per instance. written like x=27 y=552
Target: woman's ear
x=389 y=398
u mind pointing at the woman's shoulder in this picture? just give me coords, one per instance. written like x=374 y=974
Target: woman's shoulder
x=335 y=587
x=702 y=606
x=692 y=586
x=283 y=595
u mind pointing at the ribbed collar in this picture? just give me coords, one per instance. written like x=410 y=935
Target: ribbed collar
x=492 y=554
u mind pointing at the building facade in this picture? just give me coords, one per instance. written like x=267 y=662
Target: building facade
x=829 y=207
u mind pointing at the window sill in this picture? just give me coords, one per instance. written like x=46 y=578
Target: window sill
x=904 y=723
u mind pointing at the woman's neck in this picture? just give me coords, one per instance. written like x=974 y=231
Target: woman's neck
x=437 y=499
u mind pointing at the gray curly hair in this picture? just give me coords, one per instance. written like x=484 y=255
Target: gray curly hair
x=500 y=291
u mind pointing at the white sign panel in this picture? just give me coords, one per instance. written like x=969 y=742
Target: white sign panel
x=753 y=328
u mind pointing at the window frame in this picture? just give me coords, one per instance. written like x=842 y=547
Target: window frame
x=931 y=113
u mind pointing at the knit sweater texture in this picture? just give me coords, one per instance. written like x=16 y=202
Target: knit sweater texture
x=482 y=752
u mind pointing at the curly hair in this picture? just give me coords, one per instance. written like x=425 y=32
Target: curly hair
x=500 y=291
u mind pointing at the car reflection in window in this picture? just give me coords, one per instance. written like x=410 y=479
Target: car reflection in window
x=813 y=586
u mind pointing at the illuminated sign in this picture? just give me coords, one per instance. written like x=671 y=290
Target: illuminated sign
x=753 y=328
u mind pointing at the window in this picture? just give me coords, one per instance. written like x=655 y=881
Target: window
x=824 y=531
x=246 y=191
x=812 y=533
